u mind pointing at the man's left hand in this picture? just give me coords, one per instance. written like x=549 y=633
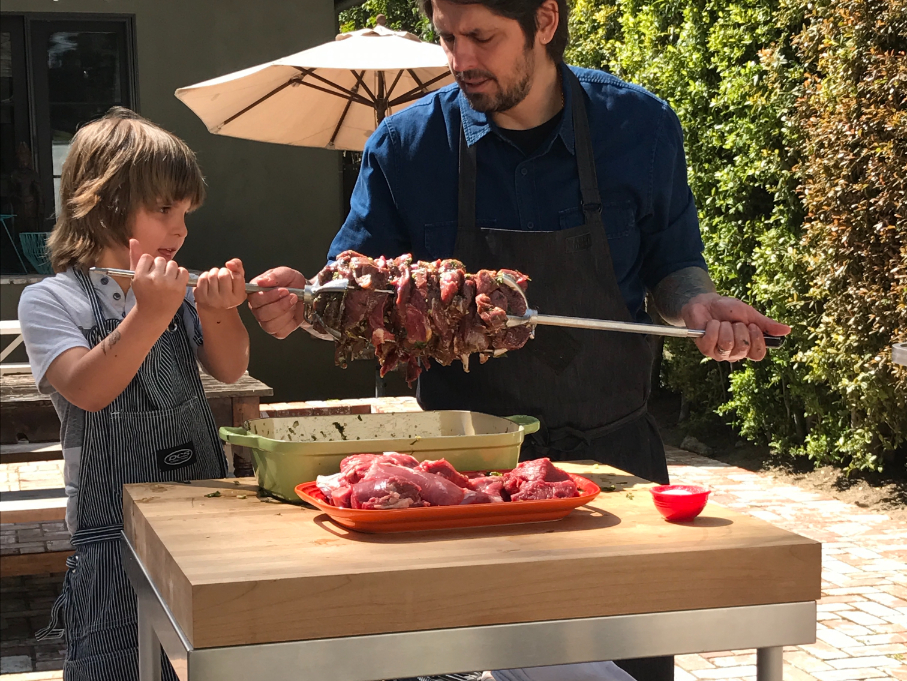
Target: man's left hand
x=733 y=329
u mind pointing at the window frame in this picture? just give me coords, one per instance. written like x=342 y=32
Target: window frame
x=36 y=30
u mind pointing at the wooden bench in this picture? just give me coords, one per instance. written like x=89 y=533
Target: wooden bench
x=31 y=451
x=33 y=506
x=26 y=414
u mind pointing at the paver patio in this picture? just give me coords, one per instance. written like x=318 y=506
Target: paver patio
x=862 y=617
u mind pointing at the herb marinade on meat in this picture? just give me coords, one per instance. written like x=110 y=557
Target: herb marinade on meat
x=436 y=311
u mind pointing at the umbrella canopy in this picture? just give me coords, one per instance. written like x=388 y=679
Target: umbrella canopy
x=330 y=96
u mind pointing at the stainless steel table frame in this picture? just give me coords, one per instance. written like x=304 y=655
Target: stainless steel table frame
x=767 y=628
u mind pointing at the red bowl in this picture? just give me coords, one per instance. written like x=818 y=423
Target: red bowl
x=680 y=502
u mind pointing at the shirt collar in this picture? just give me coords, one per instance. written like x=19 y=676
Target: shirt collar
x=476 y=124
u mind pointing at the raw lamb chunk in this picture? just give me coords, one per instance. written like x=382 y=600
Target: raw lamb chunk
x=534 y=470
x=539 y=489
x=444 y=468
x=355 y=467
x=472 y=497
x=489 y=484
x=385 y=493
x=434 y=489
x=336 y=489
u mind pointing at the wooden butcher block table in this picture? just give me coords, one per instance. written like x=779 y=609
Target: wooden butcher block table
x=236 y=588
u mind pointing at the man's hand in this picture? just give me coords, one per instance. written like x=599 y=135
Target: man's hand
x=159 y=284
x=733 y=329
x=278 y=312
x=222 y=288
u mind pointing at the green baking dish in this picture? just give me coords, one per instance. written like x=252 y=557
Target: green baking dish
x=290 y=450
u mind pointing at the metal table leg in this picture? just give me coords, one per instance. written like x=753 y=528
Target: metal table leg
x=770 y=664
x=149 y=645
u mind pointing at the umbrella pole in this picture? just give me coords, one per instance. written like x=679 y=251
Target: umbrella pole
x=381 y=98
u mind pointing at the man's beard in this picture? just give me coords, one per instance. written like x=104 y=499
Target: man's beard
x=505 y=98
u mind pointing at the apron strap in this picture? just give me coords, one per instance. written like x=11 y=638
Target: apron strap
x=553 y=439
x=585 y=160
x=466 y=197
x=93 y=299
x=54 y=628
x=585 y=165
x=96 y=534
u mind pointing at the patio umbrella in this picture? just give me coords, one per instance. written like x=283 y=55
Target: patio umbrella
x=331 y=96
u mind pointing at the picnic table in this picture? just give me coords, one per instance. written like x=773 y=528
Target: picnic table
x=236 y=588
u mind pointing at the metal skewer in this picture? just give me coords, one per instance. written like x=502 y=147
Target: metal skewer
x=307 y=294
x=533 y=317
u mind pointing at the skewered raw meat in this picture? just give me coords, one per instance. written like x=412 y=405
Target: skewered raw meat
x=390 y=481
x=437 y=311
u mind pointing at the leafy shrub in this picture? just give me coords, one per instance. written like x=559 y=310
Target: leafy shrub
x=788 y=110
x=401 y=15
x=853 y=114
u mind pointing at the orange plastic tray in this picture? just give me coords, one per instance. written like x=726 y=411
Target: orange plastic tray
x=450 y=517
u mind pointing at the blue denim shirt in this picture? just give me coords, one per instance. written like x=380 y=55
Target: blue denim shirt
x=405 y=199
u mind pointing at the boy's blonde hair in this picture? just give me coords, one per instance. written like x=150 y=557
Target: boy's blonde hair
x=115 y=166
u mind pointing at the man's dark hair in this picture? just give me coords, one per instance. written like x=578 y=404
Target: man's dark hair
x=524 y=12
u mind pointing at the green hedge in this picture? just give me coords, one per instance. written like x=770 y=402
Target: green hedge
x=796 y=134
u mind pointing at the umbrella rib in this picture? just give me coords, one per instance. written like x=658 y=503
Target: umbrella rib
x=255 y=103
x=394 y=84
x=416 y=78
x=359 y=79
x=417 y=92
x=346 y=109
x=352 y=97
x=348 y=94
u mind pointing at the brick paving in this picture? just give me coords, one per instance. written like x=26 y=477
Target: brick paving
x=861 y=622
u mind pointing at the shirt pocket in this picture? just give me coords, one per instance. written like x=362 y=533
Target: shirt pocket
x=441 y=237
x=619 y=218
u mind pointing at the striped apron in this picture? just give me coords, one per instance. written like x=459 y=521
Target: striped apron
x=159 y=429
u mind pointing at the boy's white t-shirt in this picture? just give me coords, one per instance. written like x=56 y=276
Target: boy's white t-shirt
x=52 y=314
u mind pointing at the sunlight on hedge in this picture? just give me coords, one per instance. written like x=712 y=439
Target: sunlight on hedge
x=796 y=135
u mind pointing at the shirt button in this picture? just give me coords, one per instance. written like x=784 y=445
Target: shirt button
x=105 y=281
x=531 y=225
x=117 y=296
x=524 y=171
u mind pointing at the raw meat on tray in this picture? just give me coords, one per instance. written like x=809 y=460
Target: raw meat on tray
x=398 y=481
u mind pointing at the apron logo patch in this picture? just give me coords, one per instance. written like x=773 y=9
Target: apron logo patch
x=176 y=457
x=581 y=242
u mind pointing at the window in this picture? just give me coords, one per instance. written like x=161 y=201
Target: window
x=57 y=74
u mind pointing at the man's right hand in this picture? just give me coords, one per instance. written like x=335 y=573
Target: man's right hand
x=159 y=284
x=278 y=312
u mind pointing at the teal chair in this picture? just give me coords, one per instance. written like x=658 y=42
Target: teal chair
x=5 y=218
x=34 y=245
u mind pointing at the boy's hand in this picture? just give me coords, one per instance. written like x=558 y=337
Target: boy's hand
x=222 y=288
x=159 y=285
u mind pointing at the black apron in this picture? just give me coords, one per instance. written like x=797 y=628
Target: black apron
x=588 y=388
x=159 y=429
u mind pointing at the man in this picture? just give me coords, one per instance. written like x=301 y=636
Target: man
x=576 y=179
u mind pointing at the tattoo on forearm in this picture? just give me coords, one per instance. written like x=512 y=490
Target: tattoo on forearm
x=677 y=289
x=110 y=341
